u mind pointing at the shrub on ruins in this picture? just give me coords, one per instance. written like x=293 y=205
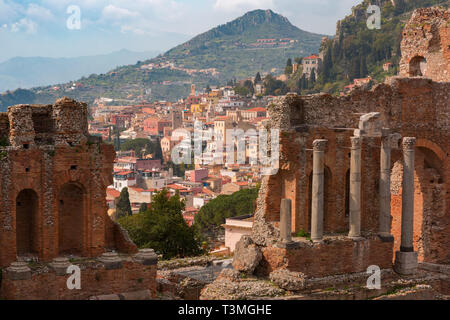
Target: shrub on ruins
x=123 y=207
x=163 y=228
x=212 y=215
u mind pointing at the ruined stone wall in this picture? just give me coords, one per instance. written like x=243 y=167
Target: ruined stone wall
x=96 y=280
x=413 y=107
x=427 y=35
x=335 y=256
x=50 y=150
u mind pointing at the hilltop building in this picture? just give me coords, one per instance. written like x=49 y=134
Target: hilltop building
x=310 y=63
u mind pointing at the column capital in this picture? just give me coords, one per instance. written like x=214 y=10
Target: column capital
x=320 y=145
x=356 y=142
x=409 y=143
x=394 y=140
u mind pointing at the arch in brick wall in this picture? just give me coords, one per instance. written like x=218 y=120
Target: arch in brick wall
x=71 y=218
x=430 y=214
x=27 y=206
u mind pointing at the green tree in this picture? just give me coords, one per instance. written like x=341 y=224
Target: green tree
x=123 y=207
x=258 y=78
x=274 y=86
x=363 y=67
x=249 y=85
x=109 y=134
x=157 y=150
x=163 y=228
x=139 y=145
x=212 y=215
x=288 y=69
x=143 y=208
x=312 y=78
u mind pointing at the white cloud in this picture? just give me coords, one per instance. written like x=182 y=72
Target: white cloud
x=112 y=12
x=239 y=5
x=25 y=25
x=39 y=13
x=8 y=11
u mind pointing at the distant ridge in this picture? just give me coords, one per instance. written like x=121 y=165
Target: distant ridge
x=237 y=49
x=27 y=72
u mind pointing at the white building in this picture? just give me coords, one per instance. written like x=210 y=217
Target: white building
x=124 y=179
x=235 y=228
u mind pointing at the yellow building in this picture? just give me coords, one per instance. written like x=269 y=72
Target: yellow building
x=198 y=108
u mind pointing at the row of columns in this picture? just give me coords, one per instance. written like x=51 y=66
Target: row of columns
x=406 y=258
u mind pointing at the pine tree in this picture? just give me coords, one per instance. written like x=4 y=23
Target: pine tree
x=327 y=63
x=313 y=76
x=158 y=151
x=258 y=78
x=288 y=69
x=123 y=207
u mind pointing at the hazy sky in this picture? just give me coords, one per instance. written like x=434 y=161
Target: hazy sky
x=39 y=27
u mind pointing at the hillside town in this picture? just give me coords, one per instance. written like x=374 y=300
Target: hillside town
x=219 y=110
x=302 y=183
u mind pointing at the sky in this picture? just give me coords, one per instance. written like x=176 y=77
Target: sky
x=48 y=28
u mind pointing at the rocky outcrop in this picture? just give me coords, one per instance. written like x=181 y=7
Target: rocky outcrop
x=224 y=289
x=247 y=255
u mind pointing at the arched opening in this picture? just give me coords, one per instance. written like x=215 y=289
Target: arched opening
x=71 y=214
x=26 y=222
x=430 y=235
x=417 y=66
x=326 y=201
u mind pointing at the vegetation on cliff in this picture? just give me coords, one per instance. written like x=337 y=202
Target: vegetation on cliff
x=357 y=51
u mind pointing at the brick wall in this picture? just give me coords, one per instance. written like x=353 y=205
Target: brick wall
x=95 y=281
x=336 y=256
x=411 y=107
x=52 y=156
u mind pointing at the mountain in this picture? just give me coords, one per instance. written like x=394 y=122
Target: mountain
x=357 y=52
x=259 y=41
x=30 y=72
x=236 y=48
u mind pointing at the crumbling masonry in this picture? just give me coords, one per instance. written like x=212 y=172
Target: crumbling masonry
x=366 y=175
x=54 y=177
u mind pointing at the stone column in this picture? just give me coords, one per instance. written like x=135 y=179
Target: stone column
x=319 y=147
x=147 y=257
x=384 y=230
x=406 y=258
x=286 y=220
x=355 y=189
x=111 y=260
